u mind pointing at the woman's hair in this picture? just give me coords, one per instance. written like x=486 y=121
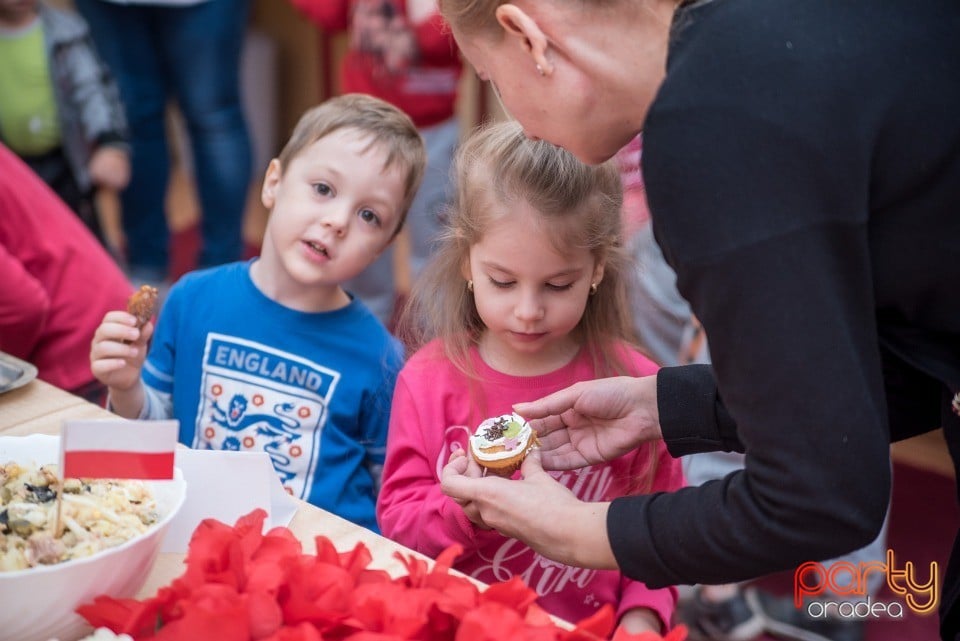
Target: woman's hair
x=387 y=126
x=495 y=168
x=471 y=16
x=479 y=16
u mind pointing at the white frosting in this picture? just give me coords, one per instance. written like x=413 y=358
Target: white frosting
x=479 y=441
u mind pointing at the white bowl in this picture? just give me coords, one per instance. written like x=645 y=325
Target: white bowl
x=38 y=604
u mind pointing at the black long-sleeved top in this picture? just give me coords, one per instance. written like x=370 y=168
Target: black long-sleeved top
x=802 y=162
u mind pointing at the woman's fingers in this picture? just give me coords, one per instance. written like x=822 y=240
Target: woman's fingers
x=550 y=406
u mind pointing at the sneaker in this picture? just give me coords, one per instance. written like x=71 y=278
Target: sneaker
x=729 y=620
x=784 y=620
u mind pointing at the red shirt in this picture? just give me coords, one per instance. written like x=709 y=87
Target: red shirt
x=56 y=280
x=424 y=86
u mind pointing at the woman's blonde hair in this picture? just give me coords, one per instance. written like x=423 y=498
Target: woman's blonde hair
x=386 y=125
x=479 y=16
x=580 y=204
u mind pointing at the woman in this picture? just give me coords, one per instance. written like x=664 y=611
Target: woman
x=802 y=162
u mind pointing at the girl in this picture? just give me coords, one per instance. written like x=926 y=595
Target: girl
x=525 y=296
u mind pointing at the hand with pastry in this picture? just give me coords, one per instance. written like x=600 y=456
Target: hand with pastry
x=119 y=349
x=534 y=509
x=594 y=421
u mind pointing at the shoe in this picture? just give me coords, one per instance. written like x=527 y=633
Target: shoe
x=784 y=620
x=729 y=620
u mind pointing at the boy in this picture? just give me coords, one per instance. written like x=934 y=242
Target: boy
x=59 y=108
x=403 y=52
x=273 y=354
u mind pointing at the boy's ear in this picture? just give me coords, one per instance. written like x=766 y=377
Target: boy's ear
x=271 y=181
x=517 y=23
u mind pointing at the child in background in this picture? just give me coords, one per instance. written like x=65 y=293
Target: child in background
x=273 y=354
x=525 y=296
x=60 y=110
x=401 y=51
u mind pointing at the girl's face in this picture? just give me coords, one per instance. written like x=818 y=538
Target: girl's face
x=529 y=295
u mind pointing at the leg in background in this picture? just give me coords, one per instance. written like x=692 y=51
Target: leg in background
x=202 y=45
x=127 y=40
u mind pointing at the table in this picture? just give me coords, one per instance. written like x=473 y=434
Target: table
x=41 y=408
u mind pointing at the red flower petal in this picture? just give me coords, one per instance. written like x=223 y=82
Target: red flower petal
x=123 y=616
x=679 y=633
x=316 y=592
x=513 y=593
x=264 y=614
x=594 y=627
x=302 y=632
x=491 y=622
x=214 y=612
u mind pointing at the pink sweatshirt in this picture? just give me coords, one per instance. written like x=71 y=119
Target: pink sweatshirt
x=433 y=413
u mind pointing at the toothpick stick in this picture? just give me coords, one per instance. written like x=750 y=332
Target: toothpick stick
x=58 y=527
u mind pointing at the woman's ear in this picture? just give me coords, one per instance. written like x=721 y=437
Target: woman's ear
x=517 y=23
x=271 y=181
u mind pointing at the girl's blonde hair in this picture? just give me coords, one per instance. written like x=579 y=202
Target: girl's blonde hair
x=580 y=205
x=386 y=125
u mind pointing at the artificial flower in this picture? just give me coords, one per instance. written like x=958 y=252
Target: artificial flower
x=243 y=585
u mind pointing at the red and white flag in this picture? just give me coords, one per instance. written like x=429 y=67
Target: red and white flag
x=118 y=449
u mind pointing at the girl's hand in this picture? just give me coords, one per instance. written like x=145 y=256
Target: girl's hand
x=118 y=351
x=536 y=510
x=461 y=463
x=594 y=421
x=639 y=620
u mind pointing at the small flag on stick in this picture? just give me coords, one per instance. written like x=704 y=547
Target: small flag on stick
x=118 y=449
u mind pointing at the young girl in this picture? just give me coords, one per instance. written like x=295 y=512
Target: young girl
x=525 y=296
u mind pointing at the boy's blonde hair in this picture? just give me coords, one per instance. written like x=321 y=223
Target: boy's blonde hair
x=387 y=126
x=580 y=204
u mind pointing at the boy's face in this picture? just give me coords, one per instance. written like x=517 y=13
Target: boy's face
x=333 y=211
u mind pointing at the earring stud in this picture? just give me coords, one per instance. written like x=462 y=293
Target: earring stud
x=593 y=288
x=541 y=71
x=470 y=286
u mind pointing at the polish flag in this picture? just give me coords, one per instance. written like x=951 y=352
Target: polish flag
x=118 y=449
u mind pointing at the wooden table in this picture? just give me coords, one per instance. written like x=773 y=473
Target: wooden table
x=40 y=408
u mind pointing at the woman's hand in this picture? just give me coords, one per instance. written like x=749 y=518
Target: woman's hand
x=594 y=421
x=536 y=510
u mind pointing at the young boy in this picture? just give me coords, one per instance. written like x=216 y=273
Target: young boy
x=60 y=109
x=403 y=52
x=273 y=354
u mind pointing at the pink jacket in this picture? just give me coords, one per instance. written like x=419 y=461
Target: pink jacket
x=433 y=412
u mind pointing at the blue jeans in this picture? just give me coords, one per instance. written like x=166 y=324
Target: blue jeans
x=190 y=54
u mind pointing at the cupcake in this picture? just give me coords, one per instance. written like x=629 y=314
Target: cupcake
x=500 y=444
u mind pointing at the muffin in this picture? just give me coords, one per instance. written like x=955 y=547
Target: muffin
x=500 y=444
